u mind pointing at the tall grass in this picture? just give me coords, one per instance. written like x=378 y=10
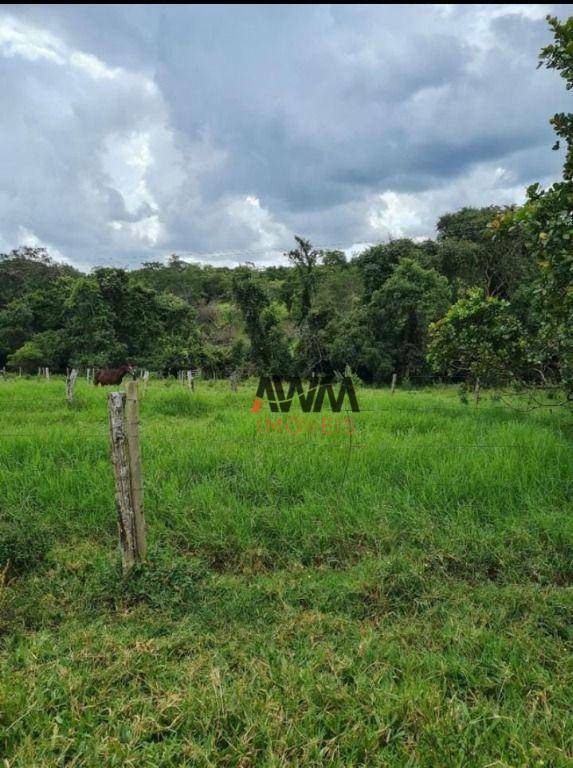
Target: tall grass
x=398 y=596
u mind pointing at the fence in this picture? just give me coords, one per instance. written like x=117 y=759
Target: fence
x=123 y=410
x=124 y=431
x=126 y=459
x=187 y=377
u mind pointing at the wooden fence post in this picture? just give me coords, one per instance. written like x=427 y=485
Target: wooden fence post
x=132 y=421
x=393 y=385
x=70 y=384
x=234 y=384
x=47 y=372
x=476 y=391
x=190 y=380
x=124 y=430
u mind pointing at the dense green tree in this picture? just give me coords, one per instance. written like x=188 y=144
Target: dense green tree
x=269 y=350
x=334 y=259
x=469 y=254
x=377 y=263
x=309 y=353
x=27 y=269
x=470 y=224
x=89 y=327
x=305 y=259
x=48 y=348
x=16 y=327
x=35 y=312
x=401 y=311
x=349 y=340
x=478 y=339
x=545 y=224
x=458 y=261
x=191 y=282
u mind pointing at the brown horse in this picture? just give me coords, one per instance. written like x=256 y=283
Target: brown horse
x=109 y=376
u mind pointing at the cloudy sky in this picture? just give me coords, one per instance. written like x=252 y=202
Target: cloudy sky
x=131 y=132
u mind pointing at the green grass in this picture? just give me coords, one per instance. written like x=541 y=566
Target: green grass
x=402 y=599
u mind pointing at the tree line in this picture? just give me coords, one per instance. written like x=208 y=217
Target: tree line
x=489 y=298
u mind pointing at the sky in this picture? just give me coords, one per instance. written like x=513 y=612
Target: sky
x=130 y=132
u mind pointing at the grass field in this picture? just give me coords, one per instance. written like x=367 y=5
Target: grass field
x=401 y=599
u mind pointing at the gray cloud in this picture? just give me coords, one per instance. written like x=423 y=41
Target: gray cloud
x=128 y=132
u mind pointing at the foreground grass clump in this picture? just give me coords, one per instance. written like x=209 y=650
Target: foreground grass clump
x=401 y=598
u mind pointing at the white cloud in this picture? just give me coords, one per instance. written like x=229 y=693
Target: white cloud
x=395 y=214
x=17 y=39
x=126 y=160
x=29 y=239
x=92 y=133
x=92 y=66
x=29 y=42
x=266 y=232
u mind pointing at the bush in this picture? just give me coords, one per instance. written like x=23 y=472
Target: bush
x=479 y=338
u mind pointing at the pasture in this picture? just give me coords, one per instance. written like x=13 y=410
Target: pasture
x=401 y=596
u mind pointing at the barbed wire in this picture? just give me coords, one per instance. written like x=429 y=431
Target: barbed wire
x=459 y=406
x=332 y=444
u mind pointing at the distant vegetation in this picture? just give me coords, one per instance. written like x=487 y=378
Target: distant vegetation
x=318 y=314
